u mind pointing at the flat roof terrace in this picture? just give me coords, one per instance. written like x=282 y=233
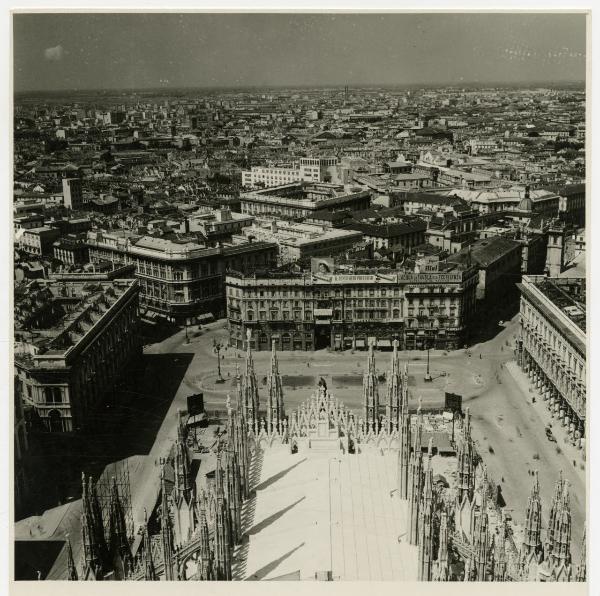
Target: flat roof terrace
x=568 y=294
x=318 y=511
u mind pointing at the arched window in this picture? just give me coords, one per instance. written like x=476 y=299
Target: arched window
x=55 y=422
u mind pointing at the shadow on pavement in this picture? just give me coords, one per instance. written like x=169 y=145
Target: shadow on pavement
x=125 y=425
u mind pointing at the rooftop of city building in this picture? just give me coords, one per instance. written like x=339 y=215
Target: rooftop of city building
x=53 y=316
x=567 y=294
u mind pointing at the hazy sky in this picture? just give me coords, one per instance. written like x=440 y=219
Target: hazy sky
x=94 y=51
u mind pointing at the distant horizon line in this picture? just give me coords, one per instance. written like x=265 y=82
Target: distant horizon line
x=462 y=84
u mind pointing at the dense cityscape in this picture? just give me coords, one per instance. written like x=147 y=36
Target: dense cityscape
x=310 y=333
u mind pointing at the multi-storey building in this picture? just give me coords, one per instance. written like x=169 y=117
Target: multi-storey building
x=498 y=261
x=66 y=362
x=572 y=204
x=71 y=250
x=301 y=240
x=180 y=280
x=345 y=310
x=39 y=241
x=271 y=175
x=552 y=345
x=308 y=169
x=303 y=200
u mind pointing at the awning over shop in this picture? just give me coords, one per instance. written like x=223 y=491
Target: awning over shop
x=205 y=317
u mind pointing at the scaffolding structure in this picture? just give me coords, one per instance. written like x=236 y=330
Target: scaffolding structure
x=119 y=471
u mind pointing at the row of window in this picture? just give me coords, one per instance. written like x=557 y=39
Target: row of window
x=325 y=293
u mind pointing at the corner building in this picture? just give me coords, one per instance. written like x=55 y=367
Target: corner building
x=342 y=311
x=64 y=368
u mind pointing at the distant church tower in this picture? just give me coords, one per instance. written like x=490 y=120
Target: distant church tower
x=555 y=252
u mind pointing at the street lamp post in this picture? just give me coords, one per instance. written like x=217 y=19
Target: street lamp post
x=217 y=347
x=428 y=373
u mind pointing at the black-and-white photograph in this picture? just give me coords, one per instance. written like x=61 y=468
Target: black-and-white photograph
x=299 y=296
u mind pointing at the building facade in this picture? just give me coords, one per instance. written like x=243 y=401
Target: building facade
x=342 y=311
x=64 y=369
x=180 y=281
x=552 y=346
x=39 y=241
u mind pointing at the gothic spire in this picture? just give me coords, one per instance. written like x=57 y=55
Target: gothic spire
x=92 y=532
x=150 y=571
x=393 y=407
x=465 y=461
x=500 y=550
x=552 y=514
x=166 y=527
x=206 y=558
x=581 y=571
x=222 y=528
x=71 y=569
x=425 y=541
x=371 y=393
x=561 y=549
x=481 y=547
x=443 y=564
x=275 y=412
x=118 y=542
x=249 y=388
x=404 y=456
x=416 y=486
x=532 y=535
